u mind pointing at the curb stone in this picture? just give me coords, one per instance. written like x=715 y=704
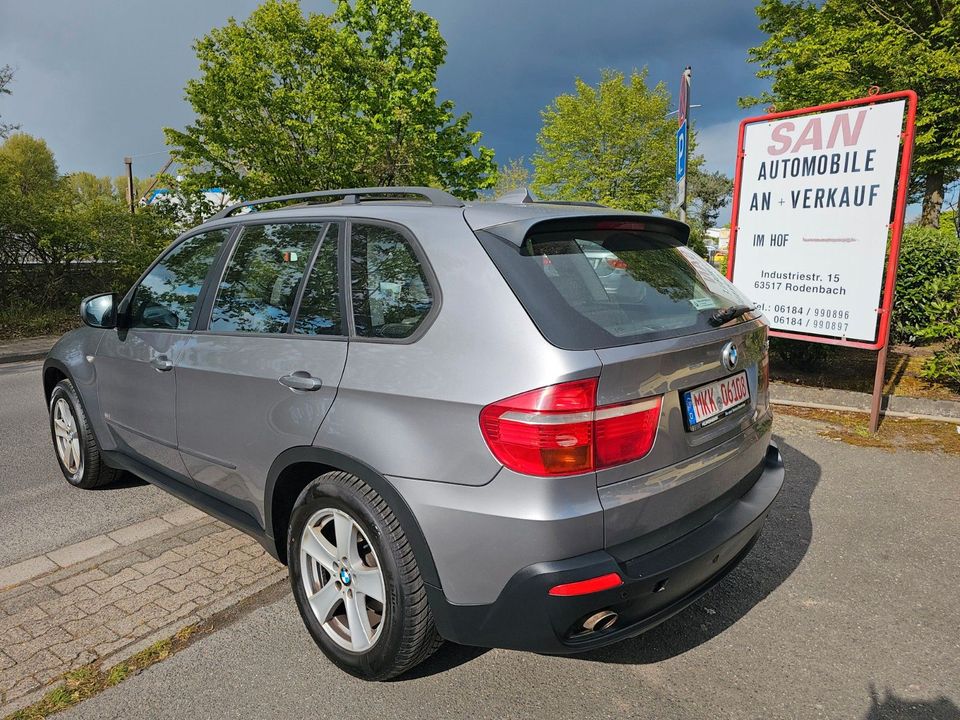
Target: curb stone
x=35 y=348
x=893 y=405
x=106 y=661
x=25 y=570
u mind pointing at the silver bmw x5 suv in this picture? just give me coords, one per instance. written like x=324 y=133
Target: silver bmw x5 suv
x=506 y=424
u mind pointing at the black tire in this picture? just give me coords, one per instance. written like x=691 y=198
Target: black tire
x=92 y=471
x=408 y=635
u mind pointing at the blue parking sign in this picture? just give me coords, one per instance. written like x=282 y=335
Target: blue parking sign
x=682 y=152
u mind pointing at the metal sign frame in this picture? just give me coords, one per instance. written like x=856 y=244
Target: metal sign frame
x=895 y=227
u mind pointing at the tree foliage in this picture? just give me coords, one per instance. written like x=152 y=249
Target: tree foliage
x=708 y=194
x=612 y=143
x=51 y=225
x=819 y=52
x=287 y=102
x=6 y=77
x=927 y=301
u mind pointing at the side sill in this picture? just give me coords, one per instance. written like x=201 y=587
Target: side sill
x=217 y=508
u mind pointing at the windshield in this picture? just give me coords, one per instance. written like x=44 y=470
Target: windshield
x=611 y=283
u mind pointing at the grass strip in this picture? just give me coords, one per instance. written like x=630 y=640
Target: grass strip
x=894 y=433
x=85 y=682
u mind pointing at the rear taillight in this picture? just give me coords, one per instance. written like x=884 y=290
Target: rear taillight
x=560 y=430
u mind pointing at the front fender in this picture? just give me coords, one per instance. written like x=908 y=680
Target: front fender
x=73 y=357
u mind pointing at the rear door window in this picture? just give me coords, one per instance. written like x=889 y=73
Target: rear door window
x=594 y=284
x=260 y=282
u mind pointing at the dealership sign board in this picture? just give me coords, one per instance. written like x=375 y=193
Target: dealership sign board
x=813 y=201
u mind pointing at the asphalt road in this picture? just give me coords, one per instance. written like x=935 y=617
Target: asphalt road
x=39 y=511
x=846 y=608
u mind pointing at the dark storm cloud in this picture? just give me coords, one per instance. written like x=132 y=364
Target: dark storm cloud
x=99 y=79
x=508 y=61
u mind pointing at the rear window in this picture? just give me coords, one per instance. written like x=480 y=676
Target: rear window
x=596 y=284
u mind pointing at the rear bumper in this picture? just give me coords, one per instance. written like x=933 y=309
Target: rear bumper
x=656 y=584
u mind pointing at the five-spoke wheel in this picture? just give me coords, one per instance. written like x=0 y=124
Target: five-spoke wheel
x=356 y=580
x=67 y=437
x=74 y=443
x=342 y=579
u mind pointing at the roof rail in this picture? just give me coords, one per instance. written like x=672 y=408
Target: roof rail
x=351 y=196
x=523 y=196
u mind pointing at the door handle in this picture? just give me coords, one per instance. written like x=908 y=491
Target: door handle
x=162 y=363
x=301 y=380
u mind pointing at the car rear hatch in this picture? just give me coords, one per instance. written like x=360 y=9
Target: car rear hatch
x=664 y=323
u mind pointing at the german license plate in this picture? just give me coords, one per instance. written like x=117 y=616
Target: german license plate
x=709 y=403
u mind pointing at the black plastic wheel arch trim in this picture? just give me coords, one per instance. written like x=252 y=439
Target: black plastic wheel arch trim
x=53 y=363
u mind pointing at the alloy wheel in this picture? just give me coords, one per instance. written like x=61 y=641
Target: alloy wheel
x=343 y=579
x=67 y=437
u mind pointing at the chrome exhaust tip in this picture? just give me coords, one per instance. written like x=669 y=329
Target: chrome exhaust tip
x=600 y=621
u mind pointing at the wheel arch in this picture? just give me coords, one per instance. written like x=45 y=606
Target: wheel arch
x=296 y=467
x=53 y=372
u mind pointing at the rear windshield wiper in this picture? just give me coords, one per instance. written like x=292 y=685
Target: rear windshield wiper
x=729 y=313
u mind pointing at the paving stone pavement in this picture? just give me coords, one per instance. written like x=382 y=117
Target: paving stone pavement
x=123 y=598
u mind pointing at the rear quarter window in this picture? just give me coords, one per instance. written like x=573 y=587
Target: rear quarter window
x=390 y=291
x=594 y=284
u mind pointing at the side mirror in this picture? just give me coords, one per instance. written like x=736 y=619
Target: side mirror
x=100 y=311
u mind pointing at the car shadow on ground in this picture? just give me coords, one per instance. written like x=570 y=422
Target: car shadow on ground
x=449 y=656
x=124 y=482
x=781 y=547
x=892 y=707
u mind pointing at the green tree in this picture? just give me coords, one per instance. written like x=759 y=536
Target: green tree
x=708 y=194
x=819 y=52
x=6 y=77
x=30 y=190
x=140 y=186
x=511 y=176
x=51 y=224
x=287 y=103
x=89 y=187
x=611 y=143
x=412 y=136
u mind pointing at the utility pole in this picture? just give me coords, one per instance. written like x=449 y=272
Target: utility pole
x=128 y=161
x=683 y=136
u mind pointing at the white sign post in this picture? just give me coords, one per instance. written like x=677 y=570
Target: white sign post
x=815 y=198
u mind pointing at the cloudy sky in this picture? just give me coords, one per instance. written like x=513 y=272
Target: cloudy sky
x=99 y=79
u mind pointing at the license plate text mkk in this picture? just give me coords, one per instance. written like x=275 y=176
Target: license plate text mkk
x=708 y=403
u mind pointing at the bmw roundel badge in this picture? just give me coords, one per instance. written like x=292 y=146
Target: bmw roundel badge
x=729 y=356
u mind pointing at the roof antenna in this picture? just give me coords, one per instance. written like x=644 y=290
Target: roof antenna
x=519 y=196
